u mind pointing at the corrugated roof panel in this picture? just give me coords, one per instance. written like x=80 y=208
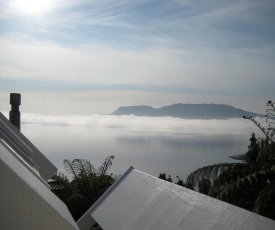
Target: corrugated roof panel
x=140 y=201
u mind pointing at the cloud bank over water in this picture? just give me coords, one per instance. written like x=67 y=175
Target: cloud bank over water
x=151 y=144
x=133 y=123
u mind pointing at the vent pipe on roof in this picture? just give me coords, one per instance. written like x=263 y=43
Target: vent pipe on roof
x=15 y=101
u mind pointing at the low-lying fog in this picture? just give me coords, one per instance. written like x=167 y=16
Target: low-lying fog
x=153 y=145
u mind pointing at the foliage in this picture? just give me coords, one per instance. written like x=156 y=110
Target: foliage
x=204 y=186
x=86 y=187
x=253 y=149
x=163 y=177
x=180 y=182
x=270 y=117
x=169 y=179
x=265 y=201
x=241 y=184
x=249 y=185
x=267 y=154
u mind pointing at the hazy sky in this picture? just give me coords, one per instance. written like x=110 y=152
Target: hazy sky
x=90 y=56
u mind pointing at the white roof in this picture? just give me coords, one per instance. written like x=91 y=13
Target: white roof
x=140 y=201
x=25 y=197
x=25 y=149
x=26 y=200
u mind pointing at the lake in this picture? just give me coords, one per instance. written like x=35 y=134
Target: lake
x=173 y=146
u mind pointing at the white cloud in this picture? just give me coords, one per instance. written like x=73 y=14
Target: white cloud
x=143 y=125
x=153 y=145
x=153 y=67
x=172 y=49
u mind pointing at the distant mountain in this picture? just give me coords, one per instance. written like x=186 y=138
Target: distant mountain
x=187 y=111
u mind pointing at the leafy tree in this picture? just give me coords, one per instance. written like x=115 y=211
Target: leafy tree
x=249 y=185
x=204 y=186
x=180 y=182
x=253 y=150
x=169 y=179
x=86 y=187
x=163 y=177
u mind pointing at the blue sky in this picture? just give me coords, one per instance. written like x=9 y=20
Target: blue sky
x=87 y=56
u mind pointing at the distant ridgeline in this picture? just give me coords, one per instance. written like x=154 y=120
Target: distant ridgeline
x=187 y=111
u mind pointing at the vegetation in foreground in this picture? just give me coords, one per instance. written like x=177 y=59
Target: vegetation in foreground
x=86 y=187
x=249 y=185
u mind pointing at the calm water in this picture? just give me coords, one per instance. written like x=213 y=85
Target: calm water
x=177 y=154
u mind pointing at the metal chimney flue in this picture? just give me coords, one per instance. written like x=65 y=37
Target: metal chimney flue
x=15 y=101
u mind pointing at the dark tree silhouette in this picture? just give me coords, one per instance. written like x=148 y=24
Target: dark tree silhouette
x=163 y=177
x=86 y=187
x=249 y=185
